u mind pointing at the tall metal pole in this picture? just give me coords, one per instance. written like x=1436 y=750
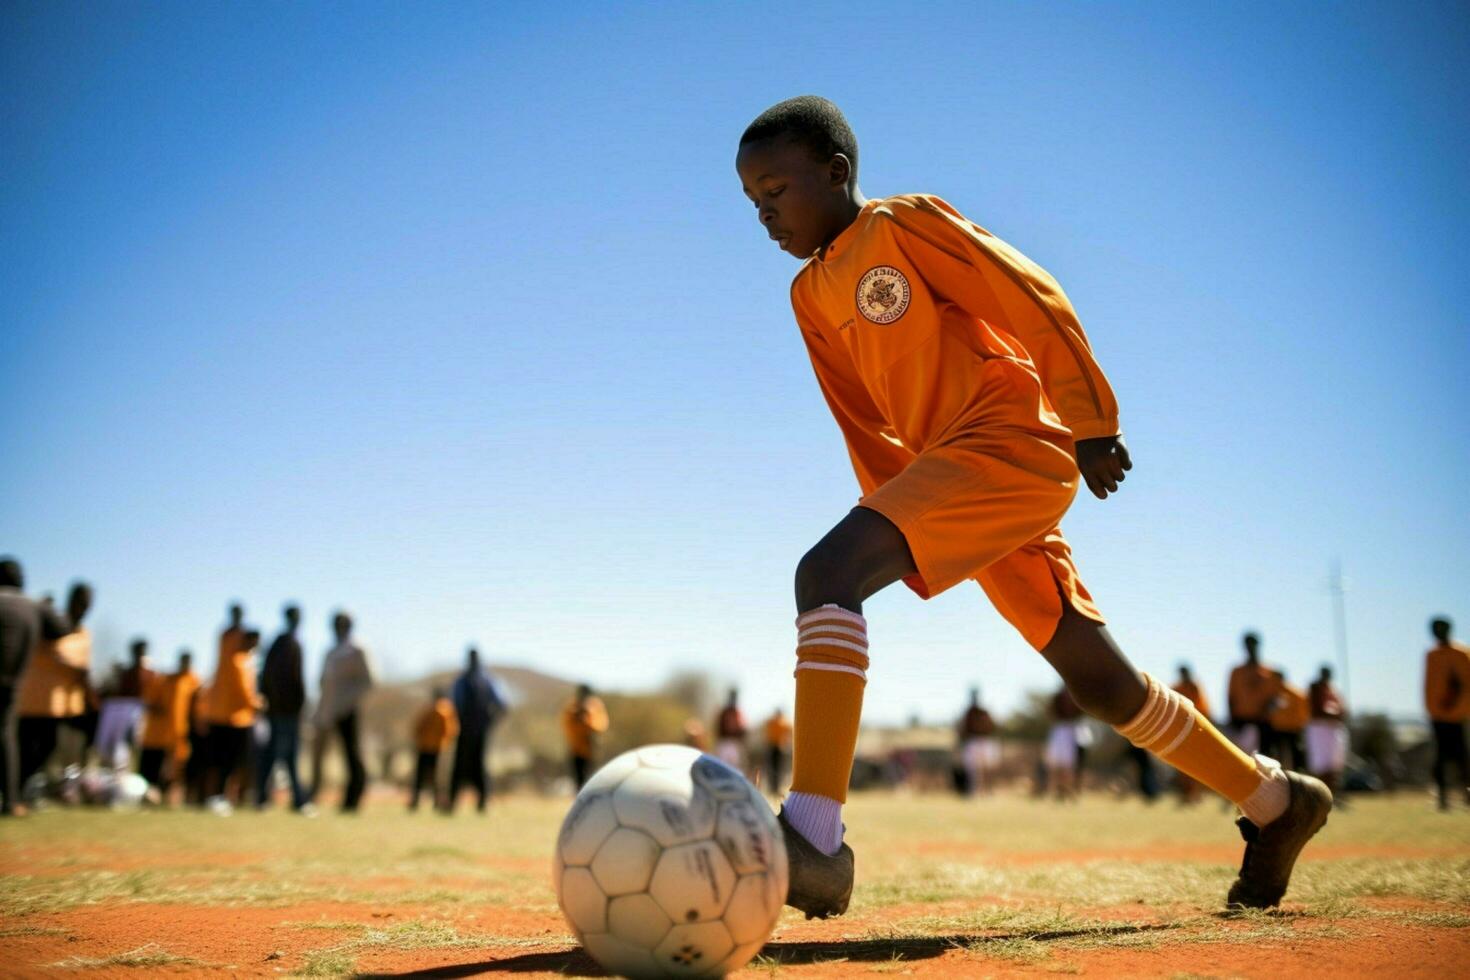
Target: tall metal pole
x=1338 y=588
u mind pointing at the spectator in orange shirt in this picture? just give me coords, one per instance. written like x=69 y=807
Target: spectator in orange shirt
x=230 y=710
x=1189 y=687
x=1253 y=687
x=53 y=686
x=1190 y=789
x=582 y=720
x=1447 y=698
x=1290 y=712
x=166 y=726
x=436 y=728
x=778 y=750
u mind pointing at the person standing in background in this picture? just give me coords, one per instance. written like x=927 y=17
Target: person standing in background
x=730 y=732
x=1447 y=699
x=436 y=728
x=480 y=704
x=347 y=677
x=230 y=711
x=23 y=624
x=582 y=720
x=166 y=727
x=53 y=687
x=1190 y=789
x=283 y=686
x=778 y=750
x=197 y=763
x=1252 y=688
x=122 y=708
x=1288 y=717
x=1064 y=746
x=1327 y=732
x=979 y=751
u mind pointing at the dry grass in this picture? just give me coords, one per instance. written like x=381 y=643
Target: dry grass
x=1007 y=880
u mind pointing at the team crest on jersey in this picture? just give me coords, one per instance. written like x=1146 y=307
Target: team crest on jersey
x=883 y=294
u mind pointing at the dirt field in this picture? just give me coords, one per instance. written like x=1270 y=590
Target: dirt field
x=999 y=887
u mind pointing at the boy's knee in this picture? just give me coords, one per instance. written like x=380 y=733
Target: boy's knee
x=823 y=578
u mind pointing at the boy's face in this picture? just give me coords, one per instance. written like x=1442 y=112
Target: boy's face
x=799 y=200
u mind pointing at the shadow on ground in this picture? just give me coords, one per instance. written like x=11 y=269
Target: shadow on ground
x=576 y=963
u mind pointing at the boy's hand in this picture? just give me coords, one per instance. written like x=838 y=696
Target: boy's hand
x=1103 y=463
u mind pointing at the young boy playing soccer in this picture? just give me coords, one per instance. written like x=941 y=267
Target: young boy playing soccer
x=970 y=403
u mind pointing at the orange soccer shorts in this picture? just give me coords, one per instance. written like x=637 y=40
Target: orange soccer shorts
x=987 y=507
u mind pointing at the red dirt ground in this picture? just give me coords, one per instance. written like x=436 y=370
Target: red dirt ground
x=274 y=941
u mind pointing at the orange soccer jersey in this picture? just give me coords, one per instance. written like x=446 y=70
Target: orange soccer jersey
x=437 y=726
x=232 y=696
x=166 y=718
x=1252 y=689
x=959 y=376
x=778 y=732
x=581 y=721
x=1447 y=682
x=1291 y=710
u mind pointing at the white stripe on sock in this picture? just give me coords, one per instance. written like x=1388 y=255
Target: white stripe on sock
x=827 y=629
x=1167 y=751
x=841 y=668
x=831 y=611
x=818 y=644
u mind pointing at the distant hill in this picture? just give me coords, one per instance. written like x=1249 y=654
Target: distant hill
x=529 y=744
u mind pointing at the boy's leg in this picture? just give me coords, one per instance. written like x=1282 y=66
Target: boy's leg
x=266 y=763
x=287 y=752
x=1441 y=754
x=418 y=780
x=1282 y=811
x=858 y=557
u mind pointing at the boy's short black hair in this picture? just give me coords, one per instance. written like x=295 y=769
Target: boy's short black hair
x=812 y=121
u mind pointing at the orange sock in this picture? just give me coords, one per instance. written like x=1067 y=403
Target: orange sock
x=1169 y=726
x=831 y=672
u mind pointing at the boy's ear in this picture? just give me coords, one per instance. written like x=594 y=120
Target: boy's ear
x=839 y=171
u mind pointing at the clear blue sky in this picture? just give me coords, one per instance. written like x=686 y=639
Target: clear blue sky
x=454 y=315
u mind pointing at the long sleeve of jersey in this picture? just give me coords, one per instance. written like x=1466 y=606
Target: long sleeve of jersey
x=993 y=282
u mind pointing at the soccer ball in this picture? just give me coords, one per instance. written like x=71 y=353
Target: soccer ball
x=670 y=864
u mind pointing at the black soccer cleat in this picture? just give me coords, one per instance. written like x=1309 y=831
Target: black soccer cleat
x=1271 y=851
x=820 y=884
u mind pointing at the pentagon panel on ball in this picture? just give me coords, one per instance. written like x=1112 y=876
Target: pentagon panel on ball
x=670 y=864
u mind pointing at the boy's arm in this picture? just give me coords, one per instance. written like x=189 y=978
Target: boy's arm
x=1434 y=684
x=994 y=282
x=875 y=459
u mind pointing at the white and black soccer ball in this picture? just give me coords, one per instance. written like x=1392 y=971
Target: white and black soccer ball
x=670 y=864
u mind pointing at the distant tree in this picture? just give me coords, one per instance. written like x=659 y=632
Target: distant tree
x=697 y=690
